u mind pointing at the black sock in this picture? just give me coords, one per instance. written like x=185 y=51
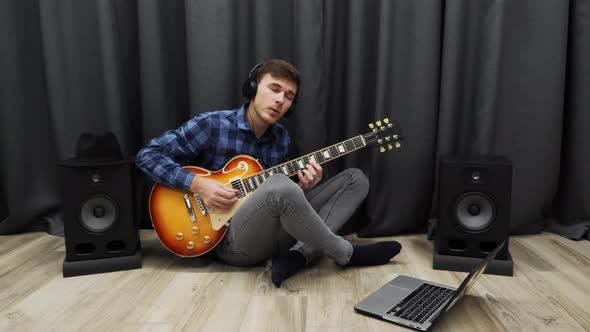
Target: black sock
x=374 y=254
x=285 y=266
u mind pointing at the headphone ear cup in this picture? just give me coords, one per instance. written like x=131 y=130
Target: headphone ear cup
x=249 y=88
x=250 y=85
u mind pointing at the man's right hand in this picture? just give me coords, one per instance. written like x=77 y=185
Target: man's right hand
x=213 y=193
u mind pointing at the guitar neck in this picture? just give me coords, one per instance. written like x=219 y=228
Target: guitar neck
x=321 y=156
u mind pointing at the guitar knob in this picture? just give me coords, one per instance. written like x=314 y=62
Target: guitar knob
x=195 y=230
x=190 y=245
x=207 y=239
x=179 y=236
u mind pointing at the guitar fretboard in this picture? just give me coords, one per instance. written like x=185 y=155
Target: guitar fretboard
x=290 y=168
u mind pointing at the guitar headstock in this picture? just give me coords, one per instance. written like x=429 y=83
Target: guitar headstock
x=387 y=134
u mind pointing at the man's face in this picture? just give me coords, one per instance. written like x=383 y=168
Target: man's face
x=274 y=97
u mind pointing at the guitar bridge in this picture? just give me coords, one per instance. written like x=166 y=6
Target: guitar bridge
x=200 y=204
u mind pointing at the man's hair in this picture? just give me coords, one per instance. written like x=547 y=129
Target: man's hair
x=279 y=69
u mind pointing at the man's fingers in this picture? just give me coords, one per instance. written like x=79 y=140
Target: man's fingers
x=303 y=176
x=311 y=170
x=222 y=204
x=226 y=192
x=315 y=165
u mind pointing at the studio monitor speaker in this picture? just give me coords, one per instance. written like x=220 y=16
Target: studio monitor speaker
x=473 y=213
x=100 y=224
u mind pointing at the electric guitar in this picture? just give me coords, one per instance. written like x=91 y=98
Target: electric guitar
x=188 y=228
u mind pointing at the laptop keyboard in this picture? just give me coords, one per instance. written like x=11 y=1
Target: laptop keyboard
x=423 y=301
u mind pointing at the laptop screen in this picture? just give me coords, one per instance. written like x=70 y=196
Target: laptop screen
x=472 y=277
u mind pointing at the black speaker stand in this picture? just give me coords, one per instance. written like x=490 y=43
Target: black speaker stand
x=102 y=265
x=466 y=264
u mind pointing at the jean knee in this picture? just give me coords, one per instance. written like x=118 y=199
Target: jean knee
x=359 y=180
x=279 y=185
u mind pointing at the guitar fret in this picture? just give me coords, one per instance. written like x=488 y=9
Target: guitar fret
x=301 y=164
x=358 y=142
x=334 y=152
x=319 y=157
x=349 y=145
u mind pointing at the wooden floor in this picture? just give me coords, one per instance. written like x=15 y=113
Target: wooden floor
x=550 y=291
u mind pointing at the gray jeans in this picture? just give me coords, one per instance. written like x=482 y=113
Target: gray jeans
x=279 y=217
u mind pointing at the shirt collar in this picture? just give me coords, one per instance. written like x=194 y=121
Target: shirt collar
x=241 y=118
x=245 y=125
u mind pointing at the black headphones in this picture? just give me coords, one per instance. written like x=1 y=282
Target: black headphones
x=250 y=85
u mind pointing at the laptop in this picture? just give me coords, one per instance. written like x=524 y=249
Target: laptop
x=418 y=303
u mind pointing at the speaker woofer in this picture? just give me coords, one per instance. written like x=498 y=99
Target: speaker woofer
x=98 y=213
x=475 y=211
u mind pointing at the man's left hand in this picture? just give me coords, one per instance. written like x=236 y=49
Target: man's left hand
x=310 y=176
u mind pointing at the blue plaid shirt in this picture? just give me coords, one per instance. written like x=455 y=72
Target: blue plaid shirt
x=210 y=140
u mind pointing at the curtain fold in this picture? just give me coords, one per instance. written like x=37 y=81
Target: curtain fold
x=460 y=77
x=572 y=204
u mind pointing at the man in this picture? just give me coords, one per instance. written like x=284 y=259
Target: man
x=291 y=222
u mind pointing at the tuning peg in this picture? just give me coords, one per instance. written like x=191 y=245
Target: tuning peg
x=395 y=136
x=386 y=120
x=378 y=123
x=397 y=145
x=388 y=138
x=381 y=149
x=371 y=125
x=389 y=147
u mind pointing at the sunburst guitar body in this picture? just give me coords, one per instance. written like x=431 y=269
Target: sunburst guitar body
x=187 y=228
x=183 y=223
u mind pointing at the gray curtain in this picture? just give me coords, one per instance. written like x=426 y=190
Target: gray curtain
x=460 y=77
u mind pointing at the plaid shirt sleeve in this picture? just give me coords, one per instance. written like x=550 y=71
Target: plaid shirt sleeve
x=158 y=159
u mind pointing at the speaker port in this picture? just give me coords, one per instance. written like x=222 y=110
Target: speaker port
x=487 y=247
x=115 y=246
x=457 y=245
x=82 y=249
